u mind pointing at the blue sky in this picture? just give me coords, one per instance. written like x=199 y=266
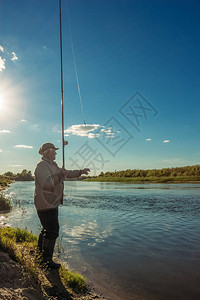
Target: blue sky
x=138 y=69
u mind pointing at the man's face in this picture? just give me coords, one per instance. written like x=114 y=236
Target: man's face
x=51 y=154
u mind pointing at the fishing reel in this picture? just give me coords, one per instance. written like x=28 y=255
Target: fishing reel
x=65 y=143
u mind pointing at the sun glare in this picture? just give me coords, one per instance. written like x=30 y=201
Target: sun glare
x=11 y=106
x=1 y=101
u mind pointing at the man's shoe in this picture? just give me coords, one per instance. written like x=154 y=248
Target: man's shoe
x=49 y=264
x=52 y=265
x=47 y=254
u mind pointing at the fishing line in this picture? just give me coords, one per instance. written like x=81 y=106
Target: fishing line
x=75 y=66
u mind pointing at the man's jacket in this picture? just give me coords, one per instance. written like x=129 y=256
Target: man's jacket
x=48 y=186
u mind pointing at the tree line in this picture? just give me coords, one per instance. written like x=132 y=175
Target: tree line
x=165 y=172
x=23 y=176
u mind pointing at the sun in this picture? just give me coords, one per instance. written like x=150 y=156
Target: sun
x=11 y=102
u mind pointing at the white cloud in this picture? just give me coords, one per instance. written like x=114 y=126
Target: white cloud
x=166 y=141
x=31 y=126
x=2 y=60
x=83 y=130
x=91 y=131
x=148 y=140
x=93 y=135
x=14 y=56
x=5 y=131
x=15 y=166
x=174 y=161
x=2 y=64
x=108 y=132
x=1 y=150
x=23 y=146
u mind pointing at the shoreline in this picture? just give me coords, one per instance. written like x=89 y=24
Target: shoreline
x=2 y=188
x=144 y=181
x=22 y=276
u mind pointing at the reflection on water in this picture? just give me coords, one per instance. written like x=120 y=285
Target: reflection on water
x=87 y=231
x=143 y=239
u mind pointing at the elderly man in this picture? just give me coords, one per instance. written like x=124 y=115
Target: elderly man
x=48 y=196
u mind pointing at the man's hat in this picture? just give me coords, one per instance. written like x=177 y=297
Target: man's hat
x=46 y=146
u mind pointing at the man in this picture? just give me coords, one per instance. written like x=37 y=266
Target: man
x=48 y=196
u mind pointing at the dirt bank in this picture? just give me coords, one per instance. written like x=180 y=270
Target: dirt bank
x=16 y=283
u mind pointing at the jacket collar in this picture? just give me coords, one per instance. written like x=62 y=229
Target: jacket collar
x=48 y=160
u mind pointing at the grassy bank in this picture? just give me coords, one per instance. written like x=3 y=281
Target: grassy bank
x=21 y=247
x=153 y=179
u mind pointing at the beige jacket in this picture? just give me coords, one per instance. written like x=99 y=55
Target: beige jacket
x=48 y=187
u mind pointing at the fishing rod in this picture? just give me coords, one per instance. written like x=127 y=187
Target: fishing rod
x=62 y=100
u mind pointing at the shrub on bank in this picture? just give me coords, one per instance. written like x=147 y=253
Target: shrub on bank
x=5 y=205
x=4 y=182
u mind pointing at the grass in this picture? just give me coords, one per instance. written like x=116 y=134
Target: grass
x=166 y=179
x=74 y=280
x=18 y=243
x=16 y=236
x=5 y=205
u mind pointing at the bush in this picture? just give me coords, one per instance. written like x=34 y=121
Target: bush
x=4 y=204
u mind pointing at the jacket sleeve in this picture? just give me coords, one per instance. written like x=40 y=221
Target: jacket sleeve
x=73 y=173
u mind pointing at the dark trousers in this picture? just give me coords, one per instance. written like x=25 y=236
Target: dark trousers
x=49 y=221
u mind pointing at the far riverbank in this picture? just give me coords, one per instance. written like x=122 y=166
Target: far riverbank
x=186 y=179
x=187 y=174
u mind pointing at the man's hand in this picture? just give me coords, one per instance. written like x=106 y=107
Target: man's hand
x=85 y=171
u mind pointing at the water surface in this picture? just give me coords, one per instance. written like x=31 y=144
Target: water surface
x=132 y=241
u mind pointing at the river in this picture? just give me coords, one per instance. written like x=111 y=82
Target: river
x=131 y=241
